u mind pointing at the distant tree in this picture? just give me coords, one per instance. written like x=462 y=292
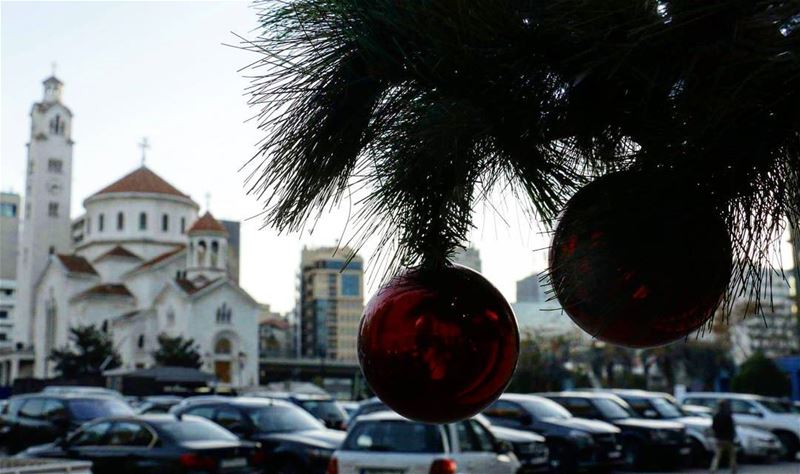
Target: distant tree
x=177 y=352
x=759 y=375
x=91 y=351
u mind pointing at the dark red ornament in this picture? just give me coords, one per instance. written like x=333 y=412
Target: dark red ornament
x=438 y=345
x=639 y=259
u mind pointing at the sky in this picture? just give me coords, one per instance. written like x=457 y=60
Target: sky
x=162 y=70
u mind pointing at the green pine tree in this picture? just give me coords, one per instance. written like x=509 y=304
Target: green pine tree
x=91 y=351
x=177 y=352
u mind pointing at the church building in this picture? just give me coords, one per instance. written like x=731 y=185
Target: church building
x=146 y=263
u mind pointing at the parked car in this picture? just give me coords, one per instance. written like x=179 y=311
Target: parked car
x=756 y=411
x=348 y=407
x=753 y=443
x=323 y=407
x=530 y=448
x=188 y=401
x=81 y=390
x=697 y=410
x=155 y=444
x=574 y=443
x=644 y=442
x=157 y=404
x=385 y=442
x=43 y=417
x=292 y=440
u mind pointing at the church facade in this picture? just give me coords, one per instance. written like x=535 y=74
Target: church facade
x=147 y=263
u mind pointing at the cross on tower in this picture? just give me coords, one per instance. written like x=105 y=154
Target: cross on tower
x=144 y=145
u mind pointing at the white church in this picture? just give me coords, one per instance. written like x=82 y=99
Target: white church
x=146 y=263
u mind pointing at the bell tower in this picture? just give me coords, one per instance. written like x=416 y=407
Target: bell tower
x=45 y=216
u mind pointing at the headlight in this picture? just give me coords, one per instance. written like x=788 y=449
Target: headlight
x=583 y=439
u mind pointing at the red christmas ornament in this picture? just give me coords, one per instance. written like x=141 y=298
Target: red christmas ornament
x=438 y=345
x=638 y=260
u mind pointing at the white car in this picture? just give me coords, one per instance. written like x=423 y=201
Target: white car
x=755 y=411
x=386 y=443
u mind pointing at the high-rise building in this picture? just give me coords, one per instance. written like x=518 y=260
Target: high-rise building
x=470 y=257
x=331 y=302
x=9 y=230
x=529 y=289
x=45 y=223
x=234 y=239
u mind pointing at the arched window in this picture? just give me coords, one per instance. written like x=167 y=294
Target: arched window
x=88 y=225
x=140 y=342
x=224 y=314
x=222 y=346
x=164 y=222
x=57 y=125
x=51 y=314
x=170 y=317
x=101 y=221
x=201 y=253
x=214 y=253
x=143 y=221
x=120 y=221
x=104 y=326
x=183 y=225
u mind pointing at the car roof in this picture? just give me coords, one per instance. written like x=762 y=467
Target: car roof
x=288 y=395
x=521 y=397
x=244 y=401
x=68 y=396
x=718 y=395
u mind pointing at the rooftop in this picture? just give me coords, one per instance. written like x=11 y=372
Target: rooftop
x=207 y=223
x=141 y=180
x=76 y=264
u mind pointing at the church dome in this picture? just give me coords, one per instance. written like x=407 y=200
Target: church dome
x=141 y=180
x=140 y=211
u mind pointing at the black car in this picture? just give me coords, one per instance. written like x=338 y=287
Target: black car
x=323 y=407
x=643 y=441
x=155 y=444
x=574 y=443
x=292 y=440
x=39 y=418
x=530 y=448
x=157 y=404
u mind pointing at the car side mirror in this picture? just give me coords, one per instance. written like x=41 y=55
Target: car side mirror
x=503 y=447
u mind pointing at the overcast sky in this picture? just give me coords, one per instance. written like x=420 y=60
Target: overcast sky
x=161 y=70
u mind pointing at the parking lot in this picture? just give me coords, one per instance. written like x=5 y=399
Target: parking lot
x=780 y=468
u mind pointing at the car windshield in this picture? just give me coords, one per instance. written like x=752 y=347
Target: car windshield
x=277 y=418
x=196 y=430
x=667 y=409
x=85 y=409
x=542 y=409
x=394 y=436
x=611 y=410
x=327 y=410
x=776 y=406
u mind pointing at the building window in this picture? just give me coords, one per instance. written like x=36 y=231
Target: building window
x=201 y=253
x=224 y=314
x=222 y=346
x=57 y=125
x=88 y=225
x=140 y=342
x=183 y=225
x=120 y=221
x=104 y=326
x=170 y=317
x=52 y=209
x=214 y=253
x=351 y=285
x=101 y=220
x=50 y=324
x=143 y=221
x=8 y=209
x=3 y=314
x=164 y=222
x=54 y=165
